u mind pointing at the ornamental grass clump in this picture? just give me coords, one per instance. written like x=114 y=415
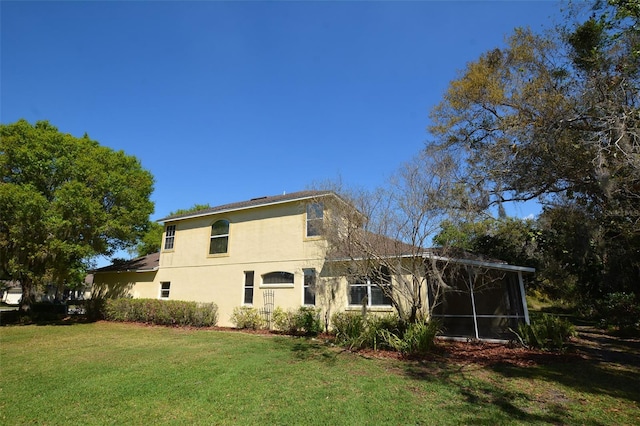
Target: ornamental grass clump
x=418 y=339
x=377 y=332
x=548 y=332
x=348 y=328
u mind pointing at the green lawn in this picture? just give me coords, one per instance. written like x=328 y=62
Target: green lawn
x=109 y=373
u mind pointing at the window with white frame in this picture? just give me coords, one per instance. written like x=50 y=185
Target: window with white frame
x=368 y=290
x=309 y=286
x=248 y=287
x=279 y=278
x=219 y=243
x=169 y=237
x=165 y=287
x=315 y=218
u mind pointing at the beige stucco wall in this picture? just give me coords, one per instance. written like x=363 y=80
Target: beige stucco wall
x=136 y=284
x=264 y=239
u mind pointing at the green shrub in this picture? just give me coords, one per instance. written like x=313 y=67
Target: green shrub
x=161 y=312
x=376 y=329
x=247 y=317
x=283 y=320
x=305 y=320
x=348 y=328
x=548 y=332
x=418 y=339
x=356 y=331
x=620 y=310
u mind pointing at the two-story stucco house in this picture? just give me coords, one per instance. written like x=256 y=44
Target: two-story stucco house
x=272 y=250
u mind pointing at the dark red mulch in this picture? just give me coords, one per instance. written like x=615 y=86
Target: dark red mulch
x=481 y=353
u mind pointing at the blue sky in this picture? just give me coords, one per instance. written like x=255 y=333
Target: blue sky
x=225 y=101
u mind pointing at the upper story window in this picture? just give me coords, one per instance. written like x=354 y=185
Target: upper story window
x=278 y=278
x=372 y=290
x=219 y=237
x=169 y=237
x=315 y=217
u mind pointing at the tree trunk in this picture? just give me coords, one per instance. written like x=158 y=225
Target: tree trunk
x=27 y=295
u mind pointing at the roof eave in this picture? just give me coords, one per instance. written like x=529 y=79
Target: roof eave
x=470 y=262
x=211 y=213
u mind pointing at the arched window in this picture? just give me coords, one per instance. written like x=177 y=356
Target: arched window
x=278 y=278
x=219 y=237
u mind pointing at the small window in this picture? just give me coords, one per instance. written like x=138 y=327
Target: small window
x=219 y=237
x=169 y=237
x=309 y=286
x=369 y=290
x=278 y=278
x=315 y=217
x=164 y=290
x=248 y=287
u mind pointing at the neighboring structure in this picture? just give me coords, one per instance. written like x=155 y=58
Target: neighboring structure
x=270 y=251
x=11 y=292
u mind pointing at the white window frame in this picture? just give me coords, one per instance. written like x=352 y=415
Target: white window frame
x=245 y=287
x=211 y=237
x=169 y=235
x=369 y=285
x=284 y=284
x=311 y=272
x=163 y=289
x=309 y=221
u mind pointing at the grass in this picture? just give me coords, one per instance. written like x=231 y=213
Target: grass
x=108 y=373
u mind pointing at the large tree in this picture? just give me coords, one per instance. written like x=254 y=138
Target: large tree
x=64 y=200
x=384 y=234
x=555 y=117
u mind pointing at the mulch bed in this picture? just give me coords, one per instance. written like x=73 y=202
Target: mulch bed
x=481 y=353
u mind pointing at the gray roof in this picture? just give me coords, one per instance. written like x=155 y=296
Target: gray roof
x=252 y=203
x=147 y=263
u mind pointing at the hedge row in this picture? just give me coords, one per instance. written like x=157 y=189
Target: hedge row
x=162 y=312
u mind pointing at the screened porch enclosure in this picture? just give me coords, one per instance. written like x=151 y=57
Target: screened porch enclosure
x=481 y=303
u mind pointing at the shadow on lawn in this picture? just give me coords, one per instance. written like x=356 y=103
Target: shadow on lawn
x=479 y=394
x=304 y=349
x=599 y=371
x=41 y=318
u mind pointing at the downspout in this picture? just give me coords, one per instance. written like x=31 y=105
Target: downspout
x=523 y=297
x=473 y=305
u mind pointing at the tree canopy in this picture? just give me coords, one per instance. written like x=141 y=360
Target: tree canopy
x=556 y=117
x=64 y=200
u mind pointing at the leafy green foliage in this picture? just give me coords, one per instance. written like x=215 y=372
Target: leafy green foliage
x=161 y=312
x=418 y=339
x=348 y=328
x=548 y=332
x=384 y=332
x=150 y=242
x=64 y=200
x=621 y=310
x=305 y=320
x=510 y=239
x=556 y=117
x=247 y=317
